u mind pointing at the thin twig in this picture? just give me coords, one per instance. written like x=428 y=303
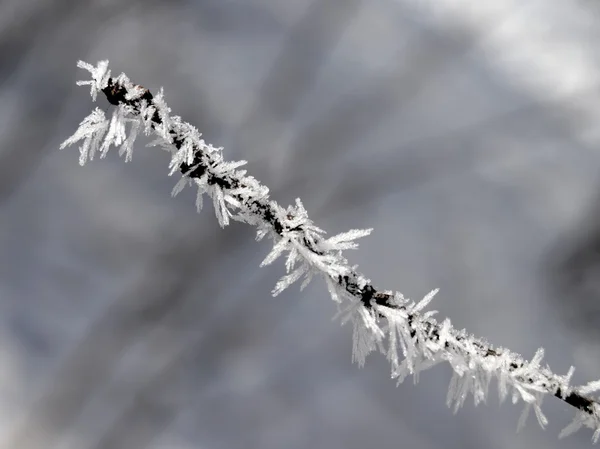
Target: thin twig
x=423 y=341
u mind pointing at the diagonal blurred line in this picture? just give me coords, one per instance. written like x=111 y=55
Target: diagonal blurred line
x=367 y=181
x=154 y=407
x=132 y=316
x=160 y=397
x=295 y=68
x=242 y=20
x=350 y=119
x=307 y=47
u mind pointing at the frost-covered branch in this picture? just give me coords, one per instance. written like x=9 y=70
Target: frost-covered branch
x=382 y=320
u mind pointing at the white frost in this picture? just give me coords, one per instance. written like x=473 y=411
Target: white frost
x=410 y=338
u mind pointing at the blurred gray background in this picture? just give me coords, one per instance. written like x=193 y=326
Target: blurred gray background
x=465 y=133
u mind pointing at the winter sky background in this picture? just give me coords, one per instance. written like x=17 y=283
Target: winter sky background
x=465 y=133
